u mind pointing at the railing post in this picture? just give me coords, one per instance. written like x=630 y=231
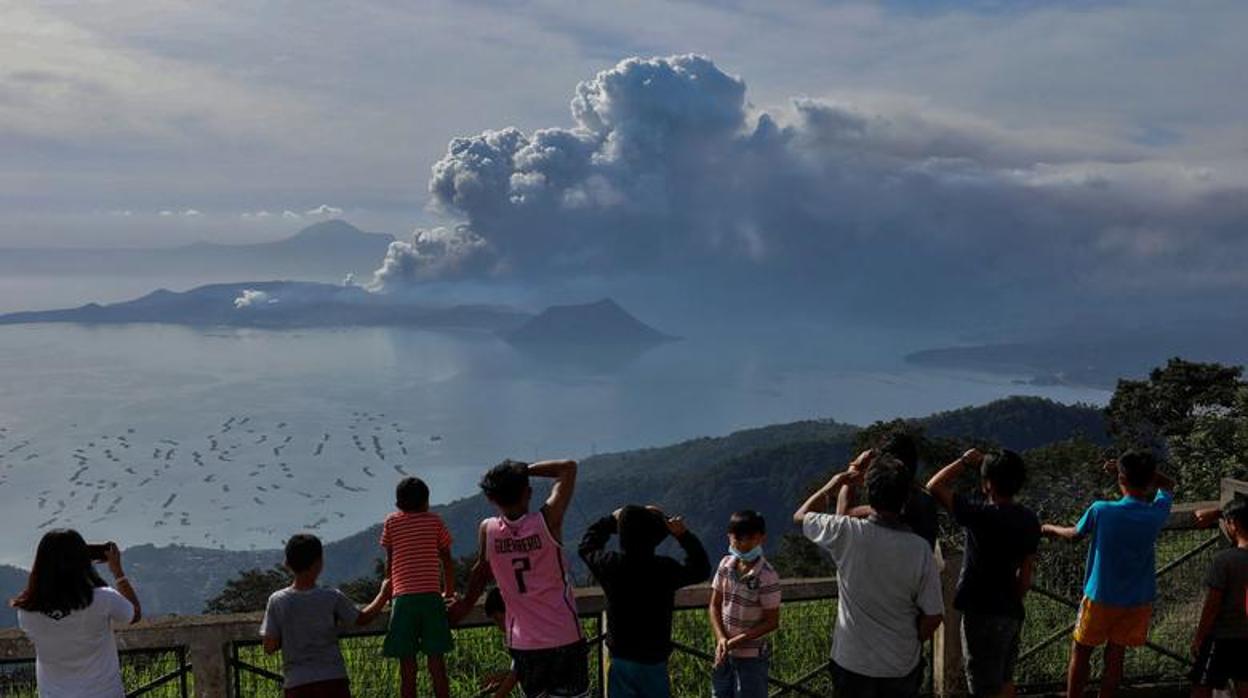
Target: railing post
x=602 y=653
x=208 y=664
x=948 y=676
x=1231 y=487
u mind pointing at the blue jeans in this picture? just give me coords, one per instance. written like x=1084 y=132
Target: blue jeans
x=740 y=677
x=627 y=679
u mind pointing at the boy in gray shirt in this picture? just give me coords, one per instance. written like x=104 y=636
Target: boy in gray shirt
x=303 y=621
x=889 y=594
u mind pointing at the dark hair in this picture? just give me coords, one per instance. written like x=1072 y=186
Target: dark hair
x=506 y=483
x=902 y=446
x=494 y=602
x=747 y=523
x=63 y=579
x=1006 y=471
x=1138 y=469
x=411 y=494
x=302 y=552
x=888 y=485
x=1236 y=510
x=641 y=530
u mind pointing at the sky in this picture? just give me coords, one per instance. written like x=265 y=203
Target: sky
x=1108 y=141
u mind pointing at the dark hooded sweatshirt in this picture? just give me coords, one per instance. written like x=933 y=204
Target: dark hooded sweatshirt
x=640 y=586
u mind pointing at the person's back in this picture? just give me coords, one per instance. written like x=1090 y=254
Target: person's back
x=886 y=578
x=1119 y=585
x=639 y=585
x=1122 y=552
x=922 y=514
x=528 y=566
x=307 y=622
x=77 y=651
x=415 y=541
x=889 y=598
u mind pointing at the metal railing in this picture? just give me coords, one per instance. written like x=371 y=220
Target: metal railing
x=150 y=672
x=479 y=652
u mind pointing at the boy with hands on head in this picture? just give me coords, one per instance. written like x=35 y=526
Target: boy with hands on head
x=640 y=587
x=1002 y=538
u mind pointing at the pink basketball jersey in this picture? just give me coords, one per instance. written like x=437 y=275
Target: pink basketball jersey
x=529 y=569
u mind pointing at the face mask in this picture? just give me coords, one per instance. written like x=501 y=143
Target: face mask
x=753 y=554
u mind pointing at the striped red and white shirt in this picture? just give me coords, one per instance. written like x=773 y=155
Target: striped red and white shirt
x=746 y=596
x=414 y=540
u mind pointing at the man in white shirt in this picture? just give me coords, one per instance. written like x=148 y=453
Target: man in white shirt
x=888 y=583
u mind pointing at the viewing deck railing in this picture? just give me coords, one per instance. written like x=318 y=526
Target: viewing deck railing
x=220 y=657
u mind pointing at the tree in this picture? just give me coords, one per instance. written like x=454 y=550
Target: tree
x=249 y=591
x=363 y=590
x=798 y=557
x=1193 y=414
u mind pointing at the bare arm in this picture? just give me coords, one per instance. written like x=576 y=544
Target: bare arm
x=506 y=686
x=1162 y=481
x=716 y=612
x=1207 y=518
x=845 y=499
x=448 y=573
x=941 y=484
x=818 y=502
x=112 y=555
x=769 y=624
x=1213 y=604
x=564 y=473
x=477 y=579
x=1022 y=584
x=928 y=626
x=374 y=608
x=1063 y=532
x=272 y=643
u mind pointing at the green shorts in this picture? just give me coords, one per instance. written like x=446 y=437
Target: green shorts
x=418 y=625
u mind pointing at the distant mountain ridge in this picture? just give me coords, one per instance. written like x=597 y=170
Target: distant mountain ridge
x=279 y=304
x=767 y=468
x=332 y=249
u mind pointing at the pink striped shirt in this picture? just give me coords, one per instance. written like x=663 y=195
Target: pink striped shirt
x=746 y=596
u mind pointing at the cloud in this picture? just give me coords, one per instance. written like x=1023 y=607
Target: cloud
x=251 y=298
x=255 y=215
x=291 y=215
x=668 y=166
x=191 y=213
x=324 y=210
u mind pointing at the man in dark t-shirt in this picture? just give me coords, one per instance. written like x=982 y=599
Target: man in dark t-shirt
x=1001 y=541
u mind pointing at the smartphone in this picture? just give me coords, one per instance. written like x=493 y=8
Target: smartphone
x=98 y=552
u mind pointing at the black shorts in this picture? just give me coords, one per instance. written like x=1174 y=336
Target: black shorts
x=559 y=672
x=989 y=651
x=1219 y=662
x=849 y=683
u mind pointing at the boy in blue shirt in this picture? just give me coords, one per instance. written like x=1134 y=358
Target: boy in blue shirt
x=1120 y=579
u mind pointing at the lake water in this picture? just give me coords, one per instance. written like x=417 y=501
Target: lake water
x=236 y=438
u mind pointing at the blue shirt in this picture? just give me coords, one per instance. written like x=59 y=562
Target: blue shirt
x=1122 y=557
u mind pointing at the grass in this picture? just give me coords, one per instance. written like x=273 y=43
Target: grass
x=802 y=645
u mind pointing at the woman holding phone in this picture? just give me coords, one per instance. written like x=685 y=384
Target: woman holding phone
x=68 y=612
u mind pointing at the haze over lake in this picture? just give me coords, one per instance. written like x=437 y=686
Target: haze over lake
x=104 y=425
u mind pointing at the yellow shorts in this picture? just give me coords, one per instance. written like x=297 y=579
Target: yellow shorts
x=1098 y=624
